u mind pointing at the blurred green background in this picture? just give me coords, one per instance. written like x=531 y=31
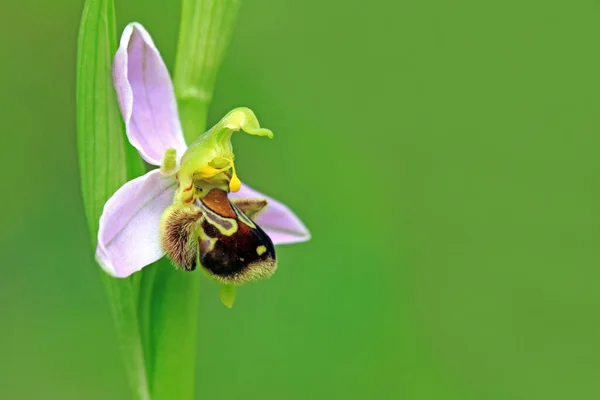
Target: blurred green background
x=444 y=155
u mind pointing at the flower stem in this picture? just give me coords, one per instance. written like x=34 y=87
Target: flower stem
x=205 y=30
x=204 y=35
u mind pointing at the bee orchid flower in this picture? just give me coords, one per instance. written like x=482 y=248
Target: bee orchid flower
x=193 y=208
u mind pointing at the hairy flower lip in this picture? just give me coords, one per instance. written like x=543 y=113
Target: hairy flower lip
x=128 y=236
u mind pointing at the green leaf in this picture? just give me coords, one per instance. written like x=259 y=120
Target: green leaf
x=103 y=166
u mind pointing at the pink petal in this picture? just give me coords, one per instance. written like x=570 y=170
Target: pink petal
x=278 y=221
x=146 y=96
x=128 y=238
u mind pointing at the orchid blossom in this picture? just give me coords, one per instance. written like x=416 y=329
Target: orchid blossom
x=193 y=207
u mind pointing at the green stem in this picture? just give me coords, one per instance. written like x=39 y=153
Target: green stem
x=204 y=35
x=168 y=303
x=174 y=313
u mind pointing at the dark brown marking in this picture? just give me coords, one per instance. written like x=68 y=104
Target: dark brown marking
x=233 y=255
